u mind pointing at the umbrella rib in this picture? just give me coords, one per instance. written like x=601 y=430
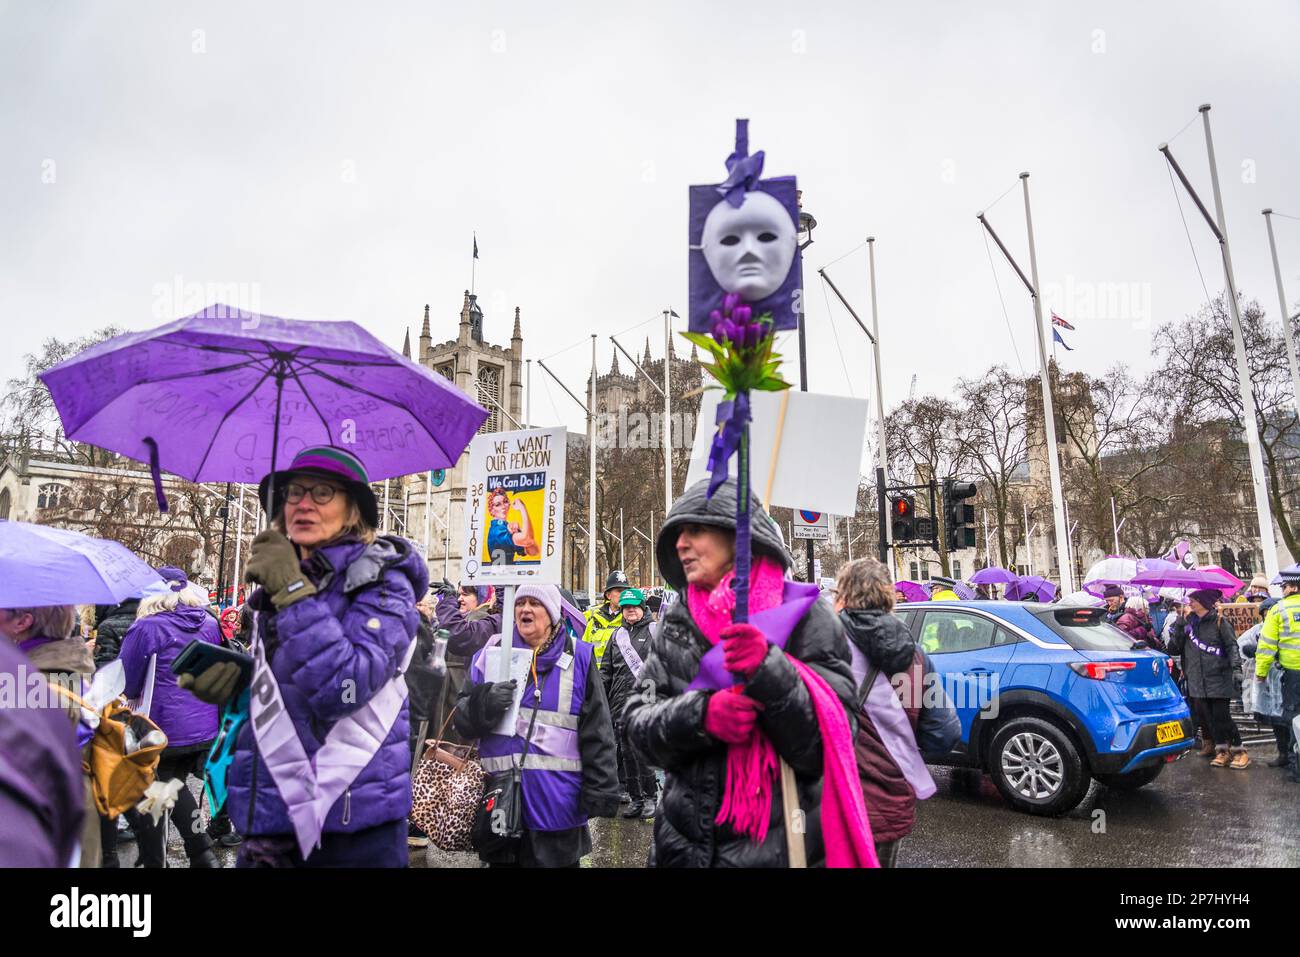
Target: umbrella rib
x=346 y=385
x=329 y=433
x=201 y=372
x=314 y=360
x=229 y=413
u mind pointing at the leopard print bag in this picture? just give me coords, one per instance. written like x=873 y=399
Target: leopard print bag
x=446 y=791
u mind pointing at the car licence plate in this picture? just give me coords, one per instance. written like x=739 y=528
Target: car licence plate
x=1169 y=731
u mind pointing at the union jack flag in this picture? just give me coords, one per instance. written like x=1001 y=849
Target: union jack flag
x=1058 y=321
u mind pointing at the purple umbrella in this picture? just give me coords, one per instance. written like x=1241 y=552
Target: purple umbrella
x=1190 y=578
x=225 y=395
x=1031 y=587
x=964 y=591
x=41 y=565
x=912 y=591
x=993 y=575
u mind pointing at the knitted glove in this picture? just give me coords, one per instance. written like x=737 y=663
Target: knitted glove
x=743 y=649
x=498 y=699
x=273 y=563
x=730 y=715
x=446 y=590
x=215 y=685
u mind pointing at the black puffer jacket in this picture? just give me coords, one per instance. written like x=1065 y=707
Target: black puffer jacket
x=617 y=673
x=666 y=724
x=111 y=629
x=1210 y=674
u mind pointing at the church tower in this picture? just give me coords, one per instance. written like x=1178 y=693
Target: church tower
x=492 y=376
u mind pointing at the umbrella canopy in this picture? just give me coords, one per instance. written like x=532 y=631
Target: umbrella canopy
x=1114 y=570
x=1031 y=588
x=228 y=396
x=1082 y=598
x=912 y=591
x=41 y=565
x=993 y=575
x=1190 y=578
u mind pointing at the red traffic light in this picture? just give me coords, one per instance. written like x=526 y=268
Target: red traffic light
x=903 y=507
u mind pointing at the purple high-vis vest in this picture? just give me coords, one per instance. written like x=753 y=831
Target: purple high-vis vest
x=552 y=768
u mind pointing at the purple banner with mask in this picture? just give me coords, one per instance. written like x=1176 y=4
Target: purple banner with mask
x=744 y=240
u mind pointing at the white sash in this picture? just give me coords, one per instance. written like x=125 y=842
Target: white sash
x=624 y=642
x=310 y=786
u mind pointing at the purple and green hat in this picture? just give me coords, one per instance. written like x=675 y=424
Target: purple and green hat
x=325 y=461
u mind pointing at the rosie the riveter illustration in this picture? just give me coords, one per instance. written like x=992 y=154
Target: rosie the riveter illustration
x=506 y=540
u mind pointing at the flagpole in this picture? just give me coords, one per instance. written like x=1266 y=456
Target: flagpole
x=1263 y=508
x=1049 y=414
x=473 y=262
x=1285 y=313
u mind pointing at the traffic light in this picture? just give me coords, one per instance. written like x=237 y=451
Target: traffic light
x=958 y=517
x=902 y=513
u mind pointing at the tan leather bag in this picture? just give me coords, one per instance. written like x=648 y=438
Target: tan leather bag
x=446 y=790
x=118 y=780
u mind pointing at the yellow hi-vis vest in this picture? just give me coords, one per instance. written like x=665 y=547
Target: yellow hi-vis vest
x=1280 y=637
x=600 y=629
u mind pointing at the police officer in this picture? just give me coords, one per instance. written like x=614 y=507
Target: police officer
x=1279 y=639
x=605 y=619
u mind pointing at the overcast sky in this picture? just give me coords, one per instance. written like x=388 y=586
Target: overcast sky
x=334 y=158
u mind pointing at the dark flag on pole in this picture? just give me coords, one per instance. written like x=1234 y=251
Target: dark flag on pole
x=1057 y=337
x=476 y=245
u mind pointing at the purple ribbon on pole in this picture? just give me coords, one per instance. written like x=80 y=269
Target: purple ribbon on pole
x=733 y=416
x=743 y=170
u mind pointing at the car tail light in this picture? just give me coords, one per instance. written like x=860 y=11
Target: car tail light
x=1100 y=669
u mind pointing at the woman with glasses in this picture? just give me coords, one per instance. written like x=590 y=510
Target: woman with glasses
x=320 y=775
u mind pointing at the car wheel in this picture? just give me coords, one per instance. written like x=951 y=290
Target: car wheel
x=1133 y=780
x=1037 y=767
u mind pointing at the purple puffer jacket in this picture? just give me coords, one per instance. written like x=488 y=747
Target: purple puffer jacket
x=330 y=654
x=184 y=718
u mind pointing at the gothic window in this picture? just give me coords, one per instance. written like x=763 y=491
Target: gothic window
x=4 y=505
x=489 y=382
x=448 y=371
x=51 y=496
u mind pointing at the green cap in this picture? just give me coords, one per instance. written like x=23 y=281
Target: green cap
x=631 y=596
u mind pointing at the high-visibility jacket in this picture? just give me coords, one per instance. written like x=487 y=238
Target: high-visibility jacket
x=602 y=622
x=1280 y=637
x=945 y=594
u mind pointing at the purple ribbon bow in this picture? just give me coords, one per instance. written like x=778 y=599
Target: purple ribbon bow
x=743 y=170
x=733 y=416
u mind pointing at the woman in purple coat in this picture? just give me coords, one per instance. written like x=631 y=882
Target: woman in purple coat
x=321 y=775
x=172 y=613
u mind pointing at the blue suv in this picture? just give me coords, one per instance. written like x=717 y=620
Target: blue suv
x=1050 y=696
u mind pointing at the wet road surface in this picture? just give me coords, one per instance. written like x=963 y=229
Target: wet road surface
x=1192 y=815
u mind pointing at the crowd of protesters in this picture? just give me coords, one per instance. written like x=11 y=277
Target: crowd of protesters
x=667 y=710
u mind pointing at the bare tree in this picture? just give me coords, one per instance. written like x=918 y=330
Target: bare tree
x=994 y=441
x=924 y=438
x=28 y=418
x=1198 y=376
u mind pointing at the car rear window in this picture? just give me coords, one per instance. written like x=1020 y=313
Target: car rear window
x=1085 y=629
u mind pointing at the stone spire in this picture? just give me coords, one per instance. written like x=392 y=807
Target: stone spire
x=613 y=369
x=406 y=346
x=695 y=353
x=516 y=334
x=426 y=341
x=645 y=360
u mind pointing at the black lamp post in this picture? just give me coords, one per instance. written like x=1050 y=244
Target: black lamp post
x=807 y=223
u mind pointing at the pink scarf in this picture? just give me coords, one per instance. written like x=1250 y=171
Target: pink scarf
x=753 y=768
